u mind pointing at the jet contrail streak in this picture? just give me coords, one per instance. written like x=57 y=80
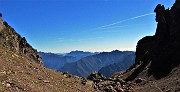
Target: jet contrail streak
x=126 y=20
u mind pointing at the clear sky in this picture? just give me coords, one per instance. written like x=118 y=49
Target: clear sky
x=89 y=25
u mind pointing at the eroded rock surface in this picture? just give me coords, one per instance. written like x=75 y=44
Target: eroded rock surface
x=12 y=41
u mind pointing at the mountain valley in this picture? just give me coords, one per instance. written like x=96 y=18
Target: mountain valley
x=154 y=67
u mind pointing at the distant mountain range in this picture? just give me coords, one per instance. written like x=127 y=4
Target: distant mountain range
x=122 y=65
x=80 y=54
x=86 y=65
x=156 y=68
x=56 y=61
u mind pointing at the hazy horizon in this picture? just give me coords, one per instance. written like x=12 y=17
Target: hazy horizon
x=83 y=51
x=61 y=26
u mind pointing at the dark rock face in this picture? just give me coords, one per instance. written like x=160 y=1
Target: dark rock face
x=143 y=55
x=166 y=49
x=0 y=15
x=12 y=41
x=163 y=49
x=156 y=57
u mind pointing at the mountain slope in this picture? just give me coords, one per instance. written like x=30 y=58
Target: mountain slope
x=18 y=74
x=85 y=66
x=12 y=41
x=21 y=68
x=125 y=63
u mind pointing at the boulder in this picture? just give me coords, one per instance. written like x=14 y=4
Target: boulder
x=96 y=76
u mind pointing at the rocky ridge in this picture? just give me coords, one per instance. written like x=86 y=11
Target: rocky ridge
x=12 y=41
x=22 y=70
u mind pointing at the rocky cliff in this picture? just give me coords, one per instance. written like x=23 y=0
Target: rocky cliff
x=156 y=67
x=162 y=50
x=12 y=41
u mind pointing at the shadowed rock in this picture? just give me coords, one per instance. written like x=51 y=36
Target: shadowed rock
x=0 y=15
x=163 y=49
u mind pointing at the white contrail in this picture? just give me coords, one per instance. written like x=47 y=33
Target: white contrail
x=111 y=27
x=126 y=20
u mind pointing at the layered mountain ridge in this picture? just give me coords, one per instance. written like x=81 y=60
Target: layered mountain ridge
x=156 y=67
x=56 y=61
x=80 y=54
x=120 y=66
x=89 y=64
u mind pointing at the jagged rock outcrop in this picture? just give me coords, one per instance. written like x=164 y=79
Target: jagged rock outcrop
x=96 y=77
x=162 y=50
x=157 y=63
x=12 y=41
x=166 y=49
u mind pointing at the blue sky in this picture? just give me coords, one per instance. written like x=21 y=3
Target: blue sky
x=89 y=25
